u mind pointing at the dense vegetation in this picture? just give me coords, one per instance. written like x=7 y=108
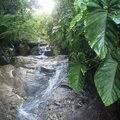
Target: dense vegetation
x=17 y=21
x=89 y=31
x=86 y=30
x=19 y=24
x=14 y=21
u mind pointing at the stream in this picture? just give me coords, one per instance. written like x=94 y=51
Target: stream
x=37 y=89
x=58 y=72
x=51 y=97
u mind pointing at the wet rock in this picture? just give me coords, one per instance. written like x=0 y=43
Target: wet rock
x=48 y=53
x=46 y=50
x=24 y=49
x=19 y=81
x=6 y=75
x=8 y=97
x=2 y=61
x=34 y=44
x=29 y=81
x=11 y=90
x=40 y=47
x=34 y=51
x=64 y=104
x=47 y=70
x=8 y=100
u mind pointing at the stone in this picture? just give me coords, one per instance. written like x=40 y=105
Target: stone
x=20 y=84
x=24 y=49
x=6 y=75
x=33 y=44
x=2 y=61
x=48 y=53
x=34 y=51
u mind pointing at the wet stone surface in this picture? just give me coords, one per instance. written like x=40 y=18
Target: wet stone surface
x=34 y=84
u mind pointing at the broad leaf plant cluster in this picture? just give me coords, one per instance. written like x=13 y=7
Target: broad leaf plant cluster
x=89 y=31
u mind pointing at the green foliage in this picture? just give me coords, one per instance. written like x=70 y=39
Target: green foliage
x=15 y=28
x=96 y=21
x=101 y=31
x=43 y=25
x=76 y=20
x=108 y=85
x=80 y=5
x=16 y=62
x=14 y=6
x=103 y=38
x=61 y=35
x=56 y=50
x=77 y=69
x=16 y=24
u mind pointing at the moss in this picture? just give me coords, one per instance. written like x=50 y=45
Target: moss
x=17 y=62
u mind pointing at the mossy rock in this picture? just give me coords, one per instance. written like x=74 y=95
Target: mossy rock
x=17 y=62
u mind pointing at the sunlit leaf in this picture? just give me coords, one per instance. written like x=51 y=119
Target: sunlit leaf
x=76 y=20
x=101 y=30
x=80 y=4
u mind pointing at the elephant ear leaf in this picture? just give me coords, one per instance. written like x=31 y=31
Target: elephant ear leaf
x=107 y=78
x=77 y=69
x=101 y=25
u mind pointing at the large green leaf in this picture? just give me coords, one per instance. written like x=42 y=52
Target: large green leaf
x=80 y=4
x=77 y=71
x=76 y=20
x=107 y=78
x=101 y=29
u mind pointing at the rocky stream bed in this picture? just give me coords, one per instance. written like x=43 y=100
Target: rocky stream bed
x=36 y=88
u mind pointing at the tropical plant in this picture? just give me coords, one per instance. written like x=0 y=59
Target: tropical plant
x=15 y=27
x=16 y=22
x=101 y=32
x=93 y=35
x=62 y=16
x=14 y=6
x=43 y=25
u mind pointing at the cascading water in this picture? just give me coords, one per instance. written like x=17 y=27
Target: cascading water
x=39 y=81
x=25 y=110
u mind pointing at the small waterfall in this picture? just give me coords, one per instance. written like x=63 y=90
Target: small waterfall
x=43 y=49
x=25 y=109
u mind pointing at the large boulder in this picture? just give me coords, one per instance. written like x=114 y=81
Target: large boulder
x=6 y=75
x=2 y=61
x=24 y=49
x=8 y=102
x=34 y=51
x=11 y=85
x=14 y=78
